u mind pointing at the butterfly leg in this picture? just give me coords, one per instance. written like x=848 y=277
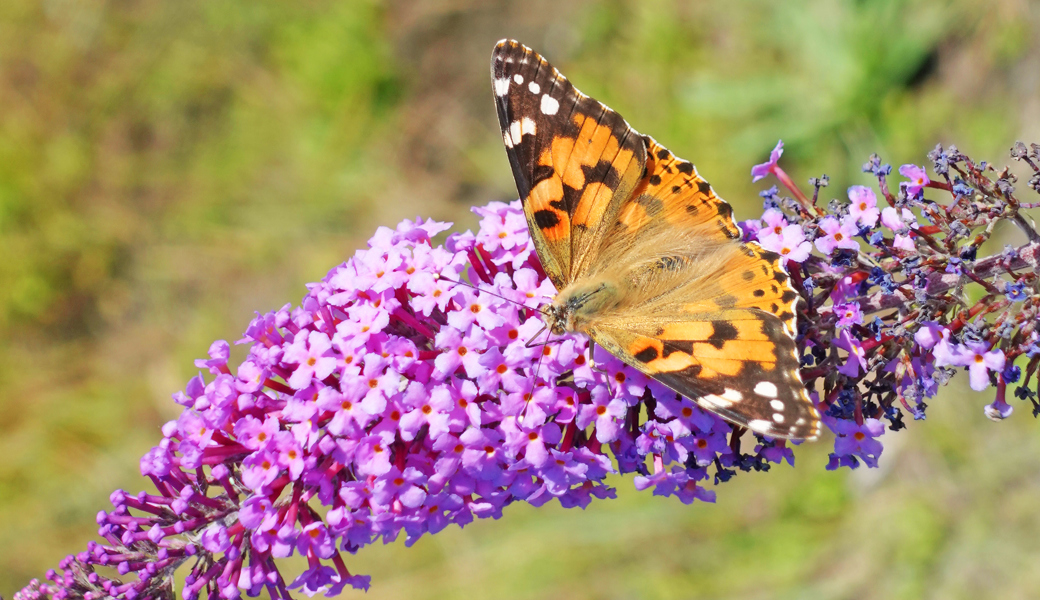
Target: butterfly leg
x=592 y=359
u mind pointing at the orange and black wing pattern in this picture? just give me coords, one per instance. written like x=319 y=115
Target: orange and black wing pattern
x=728 y=345
x=673 y=194
x=697 y=310
x=575 y=161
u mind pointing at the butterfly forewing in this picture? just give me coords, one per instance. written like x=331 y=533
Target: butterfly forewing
x=711 y=318
x=574 y=160
x=672 y=191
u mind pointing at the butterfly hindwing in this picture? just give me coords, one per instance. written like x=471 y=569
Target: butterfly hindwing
x=723 y=335
x=739 y=364
x=574 y=160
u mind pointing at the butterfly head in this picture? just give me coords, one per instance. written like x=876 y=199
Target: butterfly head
x=555 y=319
x=577 y=304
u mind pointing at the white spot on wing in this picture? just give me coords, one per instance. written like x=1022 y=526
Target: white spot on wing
x=550 y=105
x=760 y=425
x=766 y=388
x=518 y=78
x=507 y=138
x=732 y=395
x=800 y=421
x=501 y=87
x=779 y=418
x=518 y=129
x=776 y=404
x=534 y=87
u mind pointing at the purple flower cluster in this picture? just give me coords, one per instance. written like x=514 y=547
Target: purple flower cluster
x=887 y=317
x=408 y=391
x=399 y=401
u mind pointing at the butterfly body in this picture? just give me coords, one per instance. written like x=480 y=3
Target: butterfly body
x=647 y=260
x=577 y=306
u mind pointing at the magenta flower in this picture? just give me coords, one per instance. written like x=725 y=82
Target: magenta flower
x=395 y=401
x=930 y=334
x=980 y=361
x=898 y=220
x=310 y=352
x=950 y=354
x=790 y=244
x=863 y=210
x=856 y=362
x=760 y=171
x=918 y=179
x=848 y=314
x=773 y=223
x=836 y=235
x=606 y=412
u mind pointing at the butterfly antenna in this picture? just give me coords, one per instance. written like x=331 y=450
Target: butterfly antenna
x=482 y=290
x=537 y=365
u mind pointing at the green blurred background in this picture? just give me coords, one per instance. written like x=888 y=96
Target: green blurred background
x=167 y=168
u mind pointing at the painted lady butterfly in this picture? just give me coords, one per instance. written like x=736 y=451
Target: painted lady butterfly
x=647 y=259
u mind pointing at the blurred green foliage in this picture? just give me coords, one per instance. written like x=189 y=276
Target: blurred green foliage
x=168 y=168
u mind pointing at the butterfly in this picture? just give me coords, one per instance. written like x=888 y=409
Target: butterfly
x=646 y=258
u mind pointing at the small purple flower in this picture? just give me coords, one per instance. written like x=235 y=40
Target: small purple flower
x=863 y=209
x=1015 y=291
x=760 y=171
x=373 y=455
x=311 y=353
x=930 y=334
x=848 y=314
x=836 y=235
x=856 y=361
x=314 y=580
x=606 y=412
x=676 y=482
x=405 y=487
x=315 y=538
x=791 y=244
x=686 y=412
x=950 y=354
x=561 y=471
x=918 y=179
x=857 y=440
x=773 y=223
x=430 y=408
x=980 y=361
x=532 y=442
x=898 y=220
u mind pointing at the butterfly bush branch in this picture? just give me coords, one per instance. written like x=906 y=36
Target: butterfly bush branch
x=395 y=402
x=898 y=299
x=391 y=402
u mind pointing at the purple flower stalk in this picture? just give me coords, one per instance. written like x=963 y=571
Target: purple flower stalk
x=394 y=400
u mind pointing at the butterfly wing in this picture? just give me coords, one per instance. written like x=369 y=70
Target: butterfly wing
x=723 y=336
x=574 y=160
x=709 y=317
x=673 y=194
